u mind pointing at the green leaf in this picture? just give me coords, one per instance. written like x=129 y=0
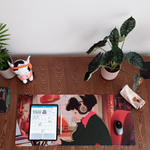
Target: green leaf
x=4 y=57
x=96 y=46
x=93 y=66
x=95 y=63
x=2 y=27
x=3 y=31
x=117 y=55
x=1 y=67
x=4 y=39
x=114 y=37
x=4 y=35
x=135 y=59
x=107 y=58
x=87 y=76
x=137 y=81
x=1 y=44
x=125 y=56
x=106 y=38
x=2 y=61
x=127 y=26
x=92 y=49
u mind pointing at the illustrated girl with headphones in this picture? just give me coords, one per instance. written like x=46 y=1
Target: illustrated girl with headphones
x=90 y=129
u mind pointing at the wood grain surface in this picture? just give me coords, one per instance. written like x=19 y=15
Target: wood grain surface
x=64 y=75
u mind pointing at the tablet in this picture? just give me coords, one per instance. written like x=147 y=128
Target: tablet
x=43 y=122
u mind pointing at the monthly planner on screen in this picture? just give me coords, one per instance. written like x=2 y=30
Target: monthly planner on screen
x=43 y=122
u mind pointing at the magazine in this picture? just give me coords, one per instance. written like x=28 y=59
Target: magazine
x=102 y=113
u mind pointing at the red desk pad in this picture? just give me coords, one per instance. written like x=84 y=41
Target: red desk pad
x=107 y=110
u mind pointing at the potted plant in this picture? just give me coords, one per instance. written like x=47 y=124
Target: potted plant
x=111 y=60
x=5 y=70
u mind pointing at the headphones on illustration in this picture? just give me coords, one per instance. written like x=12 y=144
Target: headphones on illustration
x=82 y=108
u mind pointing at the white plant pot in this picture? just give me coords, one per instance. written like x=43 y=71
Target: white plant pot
x=7 y=74
x=109 y=75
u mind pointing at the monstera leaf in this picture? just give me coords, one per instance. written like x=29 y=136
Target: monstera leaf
x=127 y=26
x=107 y=58
x=93 y=66
x=115 y=55
x=137 y=81
x=135 y=59
x=118 y=55
x=114 y=37
x=97 y=45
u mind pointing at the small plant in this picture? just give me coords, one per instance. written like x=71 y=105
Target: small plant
x=4 y=58
x=113 y=58
x=4 y=53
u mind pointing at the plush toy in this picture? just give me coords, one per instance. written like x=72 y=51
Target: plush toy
x=23 y=69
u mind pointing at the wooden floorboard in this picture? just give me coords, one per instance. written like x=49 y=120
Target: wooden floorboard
x=64 y=75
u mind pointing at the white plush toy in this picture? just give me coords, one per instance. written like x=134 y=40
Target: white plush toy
x=23 y=69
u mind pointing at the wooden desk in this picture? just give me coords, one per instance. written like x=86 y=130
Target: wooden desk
x=64 y=75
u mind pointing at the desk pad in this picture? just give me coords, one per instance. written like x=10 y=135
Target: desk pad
x=96 y=127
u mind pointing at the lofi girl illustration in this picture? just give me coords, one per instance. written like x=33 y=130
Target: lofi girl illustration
x=23 y=69
x=90 y=129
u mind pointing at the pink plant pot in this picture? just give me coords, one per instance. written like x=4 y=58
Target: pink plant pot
x=108 y=75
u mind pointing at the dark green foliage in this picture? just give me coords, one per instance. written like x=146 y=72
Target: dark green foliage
x=4 y=54
x=115 y=56
x=137 y=81
x=97 y=45
x=114 y=37
x=127 y=26
x=4 y=57
x=107 y=58
x=93 y=66
x=134 y=59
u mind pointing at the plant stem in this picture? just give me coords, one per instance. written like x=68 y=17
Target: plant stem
x=106 y=66
x=114 y=65
x=109 y=44
x=102 y=49
x=122 y=44
x=126 y=72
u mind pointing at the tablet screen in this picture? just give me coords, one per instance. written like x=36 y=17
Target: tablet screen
x=43 y=122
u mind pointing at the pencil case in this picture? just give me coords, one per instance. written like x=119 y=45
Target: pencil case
x=130 y=96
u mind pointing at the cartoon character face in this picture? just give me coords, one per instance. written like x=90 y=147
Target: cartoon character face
x=77 y=115
x=24 y=77
x=23 y=73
